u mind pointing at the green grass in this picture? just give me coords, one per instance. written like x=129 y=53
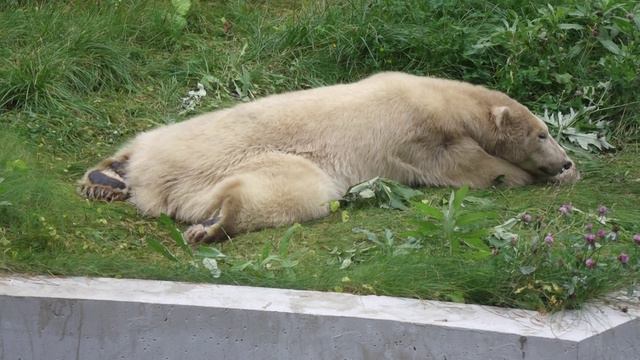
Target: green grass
x=77 y=80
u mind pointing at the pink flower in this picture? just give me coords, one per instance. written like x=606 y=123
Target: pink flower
x=602 y=210
x=601 y=234
x=636 y=239
x=590 y=263
x=526 y=218
x=623 y=258
x=549 y=239
x=566 y=209
x=590 y=239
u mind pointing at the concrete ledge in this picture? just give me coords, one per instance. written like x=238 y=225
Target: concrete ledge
x=96 y=318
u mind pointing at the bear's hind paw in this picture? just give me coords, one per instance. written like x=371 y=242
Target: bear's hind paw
x=106 y=185
x=206 y=232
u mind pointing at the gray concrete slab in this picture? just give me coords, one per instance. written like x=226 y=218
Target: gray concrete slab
x=85 y=318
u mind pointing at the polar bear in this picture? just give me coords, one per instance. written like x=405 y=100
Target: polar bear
x=284 y=158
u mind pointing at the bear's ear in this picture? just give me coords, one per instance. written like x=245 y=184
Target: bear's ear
x=500 y=115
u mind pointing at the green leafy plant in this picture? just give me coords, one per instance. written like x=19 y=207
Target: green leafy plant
x=389 y=244
x=282 y=260
x=557 y=270
x=453 y=224
x=205 y=256
x=565 y=128
x=179 y=18
x=381 y=192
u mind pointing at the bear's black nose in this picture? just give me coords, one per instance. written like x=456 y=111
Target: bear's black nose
x=567 y=165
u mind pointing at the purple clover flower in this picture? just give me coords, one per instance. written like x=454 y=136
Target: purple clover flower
x=526 y=218
x=549 y=239
x=590 y=239
x=623 y=258
x=566 y=209
x=590 y=263
x=602 y=210
x=636 y=239
x=601 y=234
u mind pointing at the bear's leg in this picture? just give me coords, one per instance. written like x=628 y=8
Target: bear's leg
x=106 y=181
x=271 y=190
x=467 y=163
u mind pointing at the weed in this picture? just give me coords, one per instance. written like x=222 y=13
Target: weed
x=452 y=224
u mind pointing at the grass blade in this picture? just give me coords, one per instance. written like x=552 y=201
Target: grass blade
x=166 y=222
x=158 y=247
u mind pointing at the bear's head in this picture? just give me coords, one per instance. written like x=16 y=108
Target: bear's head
x=524 y=140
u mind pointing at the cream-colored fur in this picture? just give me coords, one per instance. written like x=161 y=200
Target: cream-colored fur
x=283 y=158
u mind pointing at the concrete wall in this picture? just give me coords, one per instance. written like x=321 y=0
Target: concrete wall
x=82 y=318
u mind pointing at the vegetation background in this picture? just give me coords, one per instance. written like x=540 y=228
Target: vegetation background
x=78 y=78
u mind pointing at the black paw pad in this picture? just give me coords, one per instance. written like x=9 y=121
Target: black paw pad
x=98 y=178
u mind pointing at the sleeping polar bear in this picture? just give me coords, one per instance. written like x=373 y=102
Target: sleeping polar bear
x=283 y=158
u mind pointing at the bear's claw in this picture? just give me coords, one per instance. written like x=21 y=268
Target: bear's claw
x=106 y=185
x=105 y=193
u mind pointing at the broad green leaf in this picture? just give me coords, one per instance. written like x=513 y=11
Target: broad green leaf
x=610 y=45
x=396 y=203
x=526 y=270
x=481 y=202
x=563 y=78
x=367 y=194
x=266 y=250
x=403 y=191
x=566 y=26
x=288 y=264
x=17 y=165
x=212 y=265
x=478 y=244
x=209 y=252
x=286 y=238
x=363 y=185
x=181 y=6
x=243 y=266
x=345 y=263
x=179 y=21
x=269 y=259
x=370 y=236
x=158 y=247
x=459 y=197
x=585 y=140
x=424 y=209
x=344 y=216
x=388 y=235
x=5 y=203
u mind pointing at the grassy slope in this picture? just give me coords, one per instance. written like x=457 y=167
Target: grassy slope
x=71 y=91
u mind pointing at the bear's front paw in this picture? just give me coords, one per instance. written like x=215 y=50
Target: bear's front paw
x=570 y=176
x=209 y=231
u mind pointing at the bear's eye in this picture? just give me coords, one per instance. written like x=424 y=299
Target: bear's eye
x=542 y=136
